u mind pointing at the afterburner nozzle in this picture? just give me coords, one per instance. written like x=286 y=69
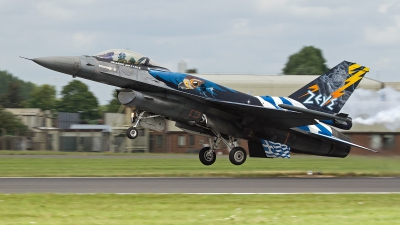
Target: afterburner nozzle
x=64 y=64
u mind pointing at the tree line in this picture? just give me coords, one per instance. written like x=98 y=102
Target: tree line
x=75 y=97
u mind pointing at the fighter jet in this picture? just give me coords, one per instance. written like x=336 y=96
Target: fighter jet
x=303 y=122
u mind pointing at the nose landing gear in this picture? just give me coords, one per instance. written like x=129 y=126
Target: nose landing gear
x=132 y=132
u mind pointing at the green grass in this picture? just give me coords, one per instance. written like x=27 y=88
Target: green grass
x=199 y=209
x=155 y=166
x=43 y=152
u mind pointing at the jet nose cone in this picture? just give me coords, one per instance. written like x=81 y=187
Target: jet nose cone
x=63 y=64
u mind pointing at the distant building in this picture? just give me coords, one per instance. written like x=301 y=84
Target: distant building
x=86 y=137
x=394 y=85
x=66 y=119
x=182 y=66
x=33 y=117
x=376 y=137
x=42 y=136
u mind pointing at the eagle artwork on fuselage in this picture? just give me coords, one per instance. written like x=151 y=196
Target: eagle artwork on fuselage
x=304 y=122
x=191 y=84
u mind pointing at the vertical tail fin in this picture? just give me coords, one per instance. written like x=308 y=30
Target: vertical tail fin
x=329 y=92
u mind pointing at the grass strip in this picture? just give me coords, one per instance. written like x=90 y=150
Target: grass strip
x=44 y=152
x=199 y=209
x=191 y=167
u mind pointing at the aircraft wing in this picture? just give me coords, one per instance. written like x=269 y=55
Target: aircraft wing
x=281 y=117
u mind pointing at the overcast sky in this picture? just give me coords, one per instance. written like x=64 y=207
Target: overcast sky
x=213 y=36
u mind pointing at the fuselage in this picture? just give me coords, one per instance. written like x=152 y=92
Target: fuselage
x=152 y=78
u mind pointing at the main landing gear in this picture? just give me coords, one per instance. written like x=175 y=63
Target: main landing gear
x=237 y=155
x=207 y=156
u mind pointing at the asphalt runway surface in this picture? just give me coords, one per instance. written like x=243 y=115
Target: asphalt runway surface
x=199 y=185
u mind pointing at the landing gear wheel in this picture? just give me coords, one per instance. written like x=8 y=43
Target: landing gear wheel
x=132 y=133
x=237 y=156
x=206 y=156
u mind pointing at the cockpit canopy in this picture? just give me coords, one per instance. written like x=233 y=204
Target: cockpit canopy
x=127 y=57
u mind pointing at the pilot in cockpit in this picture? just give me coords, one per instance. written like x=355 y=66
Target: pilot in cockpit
x=127 y=57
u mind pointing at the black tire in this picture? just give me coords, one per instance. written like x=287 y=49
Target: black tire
x=207 y=159
x=237 y=156
x=132 y=133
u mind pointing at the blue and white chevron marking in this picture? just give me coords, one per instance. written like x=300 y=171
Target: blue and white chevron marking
x=274 y=102
x=275 y=150
x=319 y=128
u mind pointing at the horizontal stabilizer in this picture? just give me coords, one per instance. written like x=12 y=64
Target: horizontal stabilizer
x=337 y=140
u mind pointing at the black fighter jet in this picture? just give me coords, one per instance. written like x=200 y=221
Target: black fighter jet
x=274 y=126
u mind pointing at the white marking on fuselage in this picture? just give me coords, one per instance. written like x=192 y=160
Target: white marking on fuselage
x=314 y=129
x=296 y=103
x=105 y=67
x=277 y=100
x=266 y=104
x=326 y=126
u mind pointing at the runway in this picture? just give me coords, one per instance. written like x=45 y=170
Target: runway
x=199 y=185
